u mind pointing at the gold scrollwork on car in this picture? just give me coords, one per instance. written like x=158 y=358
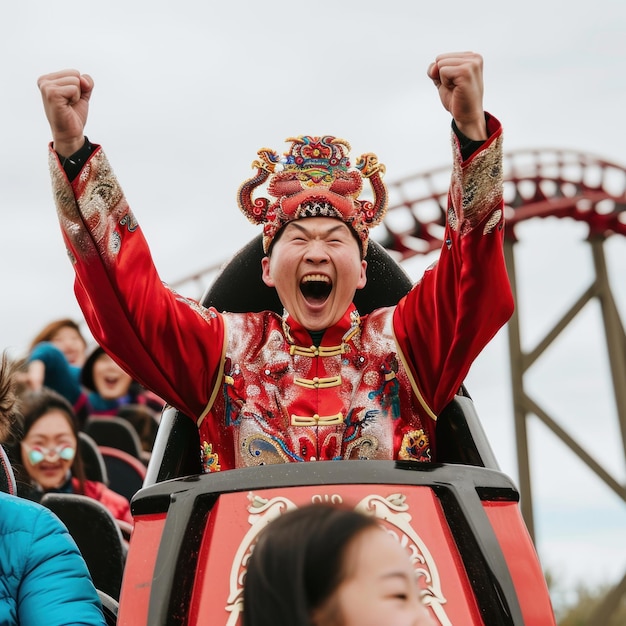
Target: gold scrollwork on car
x=392 y=509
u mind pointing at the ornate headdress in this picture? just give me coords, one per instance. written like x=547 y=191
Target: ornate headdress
x=314 y=179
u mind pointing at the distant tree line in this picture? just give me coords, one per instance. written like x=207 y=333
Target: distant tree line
x=577 y=608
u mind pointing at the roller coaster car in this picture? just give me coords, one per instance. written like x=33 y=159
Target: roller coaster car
x=459 y=517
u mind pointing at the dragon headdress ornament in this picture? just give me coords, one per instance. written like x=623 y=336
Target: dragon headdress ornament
x=314 y=178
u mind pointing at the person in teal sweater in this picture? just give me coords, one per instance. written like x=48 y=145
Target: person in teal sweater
x=55 y=359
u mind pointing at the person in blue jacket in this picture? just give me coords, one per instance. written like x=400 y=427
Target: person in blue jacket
x=55 y=358
x=43 y=576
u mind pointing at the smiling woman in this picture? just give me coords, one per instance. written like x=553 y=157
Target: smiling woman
x=46 y=458
x=110 y=388
x=49 y=449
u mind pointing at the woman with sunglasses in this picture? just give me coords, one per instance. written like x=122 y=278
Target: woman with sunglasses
x=47 y=458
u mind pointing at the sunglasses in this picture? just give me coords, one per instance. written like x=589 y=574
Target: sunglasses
x=38 y=453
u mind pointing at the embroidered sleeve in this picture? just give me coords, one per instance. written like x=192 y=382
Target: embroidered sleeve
x=464 y=298
x=170 y=344
x=477 y=183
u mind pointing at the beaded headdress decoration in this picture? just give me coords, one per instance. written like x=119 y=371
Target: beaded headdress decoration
x=314 y=178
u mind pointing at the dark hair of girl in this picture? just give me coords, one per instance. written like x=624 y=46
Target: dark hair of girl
x=297 y=564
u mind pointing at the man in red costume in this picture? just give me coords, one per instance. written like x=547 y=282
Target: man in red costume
x=319 y=382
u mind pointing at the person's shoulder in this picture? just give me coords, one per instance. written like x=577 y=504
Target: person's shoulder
x=258 y=320
x=54 y=583
x=94 y=488
x=106 y=495
x=252 y=315
x=114 y=502
x=378 y=315
x=243 y=328
x=378 y=323
x=31 y=520
x=14 y=505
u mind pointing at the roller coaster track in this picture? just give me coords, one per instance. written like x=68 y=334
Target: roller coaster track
x=538 y=183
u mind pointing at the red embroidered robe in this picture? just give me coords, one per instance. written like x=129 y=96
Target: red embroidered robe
x=256 y=387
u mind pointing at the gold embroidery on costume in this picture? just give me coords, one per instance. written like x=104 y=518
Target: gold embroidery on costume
x=318 y=383
x=415 y=446
x=492 y=221
x=476 y=187
x=362 y=448
x=317 y=350
x=100 y=207
x=260 y=449
x=317 y=420
x=115 y=243
x=324 y=351
x=452 y=219
x=208 y=458
x=279 y=408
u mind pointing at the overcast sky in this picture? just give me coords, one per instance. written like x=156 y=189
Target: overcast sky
x=186 y=93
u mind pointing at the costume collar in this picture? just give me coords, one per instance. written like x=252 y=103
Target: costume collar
x=334 y=338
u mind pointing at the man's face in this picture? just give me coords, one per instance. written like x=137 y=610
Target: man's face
x=316 y=267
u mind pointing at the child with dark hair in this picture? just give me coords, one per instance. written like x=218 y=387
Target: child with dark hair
x=112 y=392
x=322 y=565
x=110 y=388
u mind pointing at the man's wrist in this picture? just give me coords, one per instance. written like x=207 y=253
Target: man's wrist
x=468 y=146
x=66 y=148
x=74 y=163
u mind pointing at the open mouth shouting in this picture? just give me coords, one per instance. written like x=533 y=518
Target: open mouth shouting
x=316 y=288
x=315 y=267
x=111 y=381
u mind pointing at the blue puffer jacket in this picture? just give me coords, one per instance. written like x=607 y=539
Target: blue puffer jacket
x=43 y=577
